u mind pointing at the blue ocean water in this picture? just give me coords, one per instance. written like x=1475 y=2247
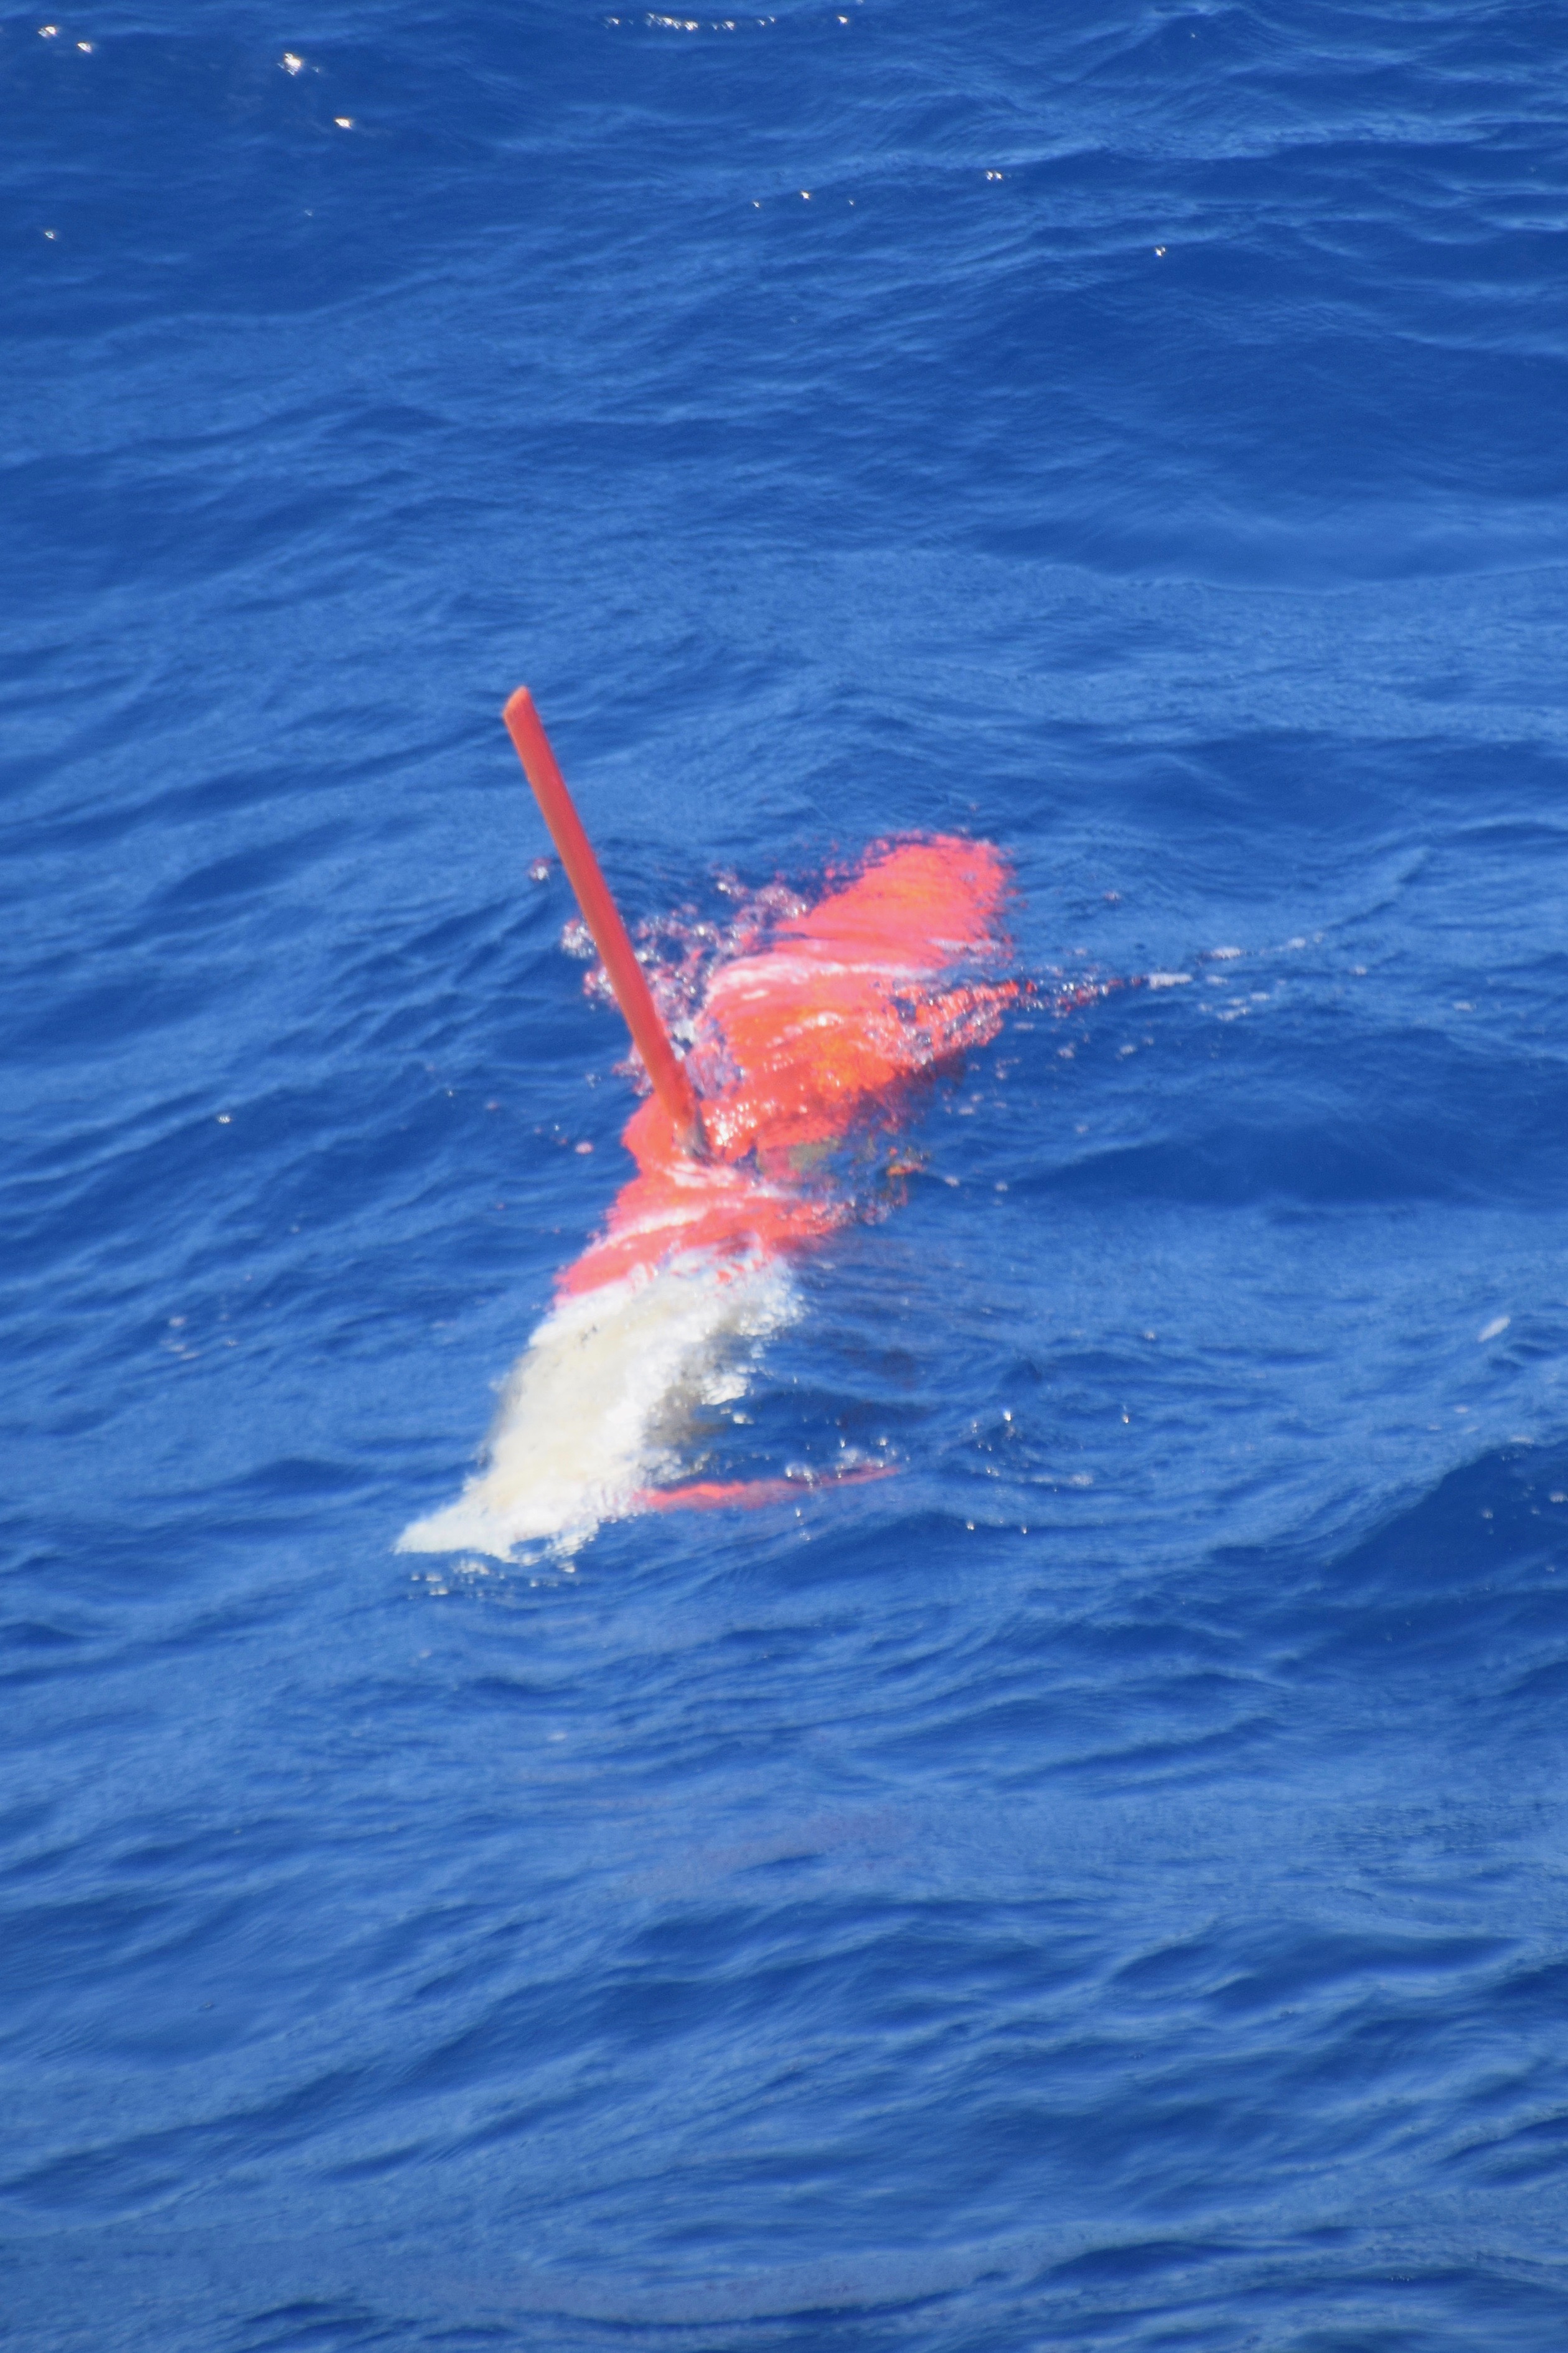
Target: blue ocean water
x=1107 y=1886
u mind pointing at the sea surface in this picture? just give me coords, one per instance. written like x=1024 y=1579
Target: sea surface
x=1107 y=1884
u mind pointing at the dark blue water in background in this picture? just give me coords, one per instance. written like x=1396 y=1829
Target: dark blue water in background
x=1134 y=433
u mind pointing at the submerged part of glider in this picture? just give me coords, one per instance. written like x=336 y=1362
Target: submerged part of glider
x=597 y=1403
x=749 y=1494
x=805 y=1047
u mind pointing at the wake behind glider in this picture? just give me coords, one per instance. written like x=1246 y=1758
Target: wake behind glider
x=801 y=1047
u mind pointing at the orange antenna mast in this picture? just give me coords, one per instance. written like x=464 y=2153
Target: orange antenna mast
x=602 y=917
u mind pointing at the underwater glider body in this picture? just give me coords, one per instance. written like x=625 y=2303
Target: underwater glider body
x=806 y=1049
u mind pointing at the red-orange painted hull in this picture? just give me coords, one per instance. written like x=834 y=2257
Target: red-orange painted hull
x=801 y=1045
x=803 y=1051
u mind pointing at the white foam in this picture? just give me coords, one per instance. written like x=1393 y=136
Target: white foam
x=595 y=1405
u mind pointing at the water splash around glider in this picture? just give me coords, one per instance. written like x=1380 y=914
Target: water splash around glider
x=806 y=1049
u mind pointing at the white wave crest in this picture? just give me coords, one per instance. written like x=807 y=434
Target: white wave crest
x=592 y=1409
